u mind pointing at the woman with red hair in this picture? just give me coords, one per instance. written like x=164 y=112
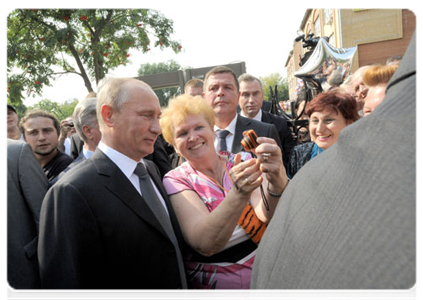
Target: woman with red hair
x=329 y=112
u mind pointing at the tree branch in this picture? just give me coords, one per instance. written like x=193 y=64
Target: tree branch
x=81 y=68
x=95 y=39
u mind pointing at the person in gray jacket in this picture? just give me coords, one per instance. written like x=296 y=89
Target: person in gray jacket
x=26 y=188
x=348 y=218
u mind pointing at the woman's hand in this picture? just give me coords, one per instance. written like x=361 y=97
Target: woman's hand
x=246 y=175
x=269 y=156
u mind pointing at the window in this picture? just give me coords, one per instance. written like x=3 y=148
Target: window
x=332 y=40
x=317 y=27
x=328 y=13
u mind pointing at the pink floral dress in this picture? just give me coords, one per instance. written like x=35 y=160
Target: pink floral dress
x=215 y=275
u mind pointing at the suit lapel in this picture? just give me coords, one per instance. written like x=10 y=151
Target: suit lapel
x=117 y=183
x=266 y=117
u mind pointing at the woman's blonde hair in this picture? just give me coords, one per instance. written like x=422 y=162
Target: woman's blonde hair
x=378 y=74
x=177 y=111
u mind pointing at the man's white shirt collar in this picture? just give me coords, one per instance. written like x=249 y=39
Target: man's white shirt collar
x=231 y=126
x=257 y=117
x=124 y=163
x=87 y=153
x=127 y=166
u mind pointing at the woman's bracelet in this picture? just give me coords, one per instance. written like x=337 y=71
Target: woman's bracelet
x=273 y=194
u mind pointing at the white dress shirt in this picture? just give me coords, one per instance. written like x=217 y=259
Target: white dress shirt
x=87 y=153
x=230 y=136
x=127 y=166
x=67 y=146
x=257 y=117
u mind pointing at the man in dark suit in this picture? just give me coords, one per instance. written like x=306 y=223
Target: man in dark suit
x=251 y=102
x=98 y=225
x=85 y=119
x=87 y=128
x=76 y=145
x=221 y=90
x=348 y=218
x=26 y=188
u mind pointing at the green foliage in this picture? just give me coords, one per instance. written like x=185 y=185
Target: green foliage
x=45 y=43
x=157 y=68
x=60 y=110
x=272 y=80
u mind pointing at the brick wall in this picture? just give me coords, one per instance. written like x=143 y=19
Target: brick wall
x=379 y=52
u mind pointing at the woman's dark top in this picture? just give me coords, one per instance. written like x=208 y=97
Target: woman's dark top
x=300 y=155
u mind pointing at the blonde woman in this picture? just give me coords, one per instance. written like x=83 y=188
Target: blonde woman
x=217 y=198
x=376 y=78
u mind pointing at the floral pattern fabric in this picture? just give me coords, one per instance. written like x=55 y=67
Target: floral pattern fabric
x=212 y=275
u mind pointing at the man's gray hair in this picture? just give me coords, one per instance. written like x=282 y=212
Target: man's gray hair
x=85 y=113
x=249 y=78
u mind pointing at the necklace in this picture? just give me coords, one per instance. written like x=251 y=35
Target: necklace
x=220 y=186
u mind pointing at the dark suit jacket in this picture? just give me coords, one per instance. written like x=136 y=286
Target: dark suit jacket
x=81 y=158
x=261 y=129
x=266 y=106
x=76 y=145
x=97 y=232
x=26 y=188
x=160 y=156
x=348 y=218
x=285 y=134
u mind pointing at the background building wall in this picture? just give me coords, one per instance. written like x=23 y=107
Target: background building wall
x=377 y=33
x=379 y=50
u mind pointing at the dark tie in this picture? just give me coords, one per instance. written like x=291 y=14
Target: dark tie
x=150 y=196
x=221 y=142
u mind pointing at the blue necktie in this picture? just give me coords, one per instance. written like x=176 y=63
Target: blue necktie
x=221 y=143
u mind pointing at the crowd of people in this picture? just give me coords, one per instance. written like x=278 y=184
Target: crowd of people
x=125 y=194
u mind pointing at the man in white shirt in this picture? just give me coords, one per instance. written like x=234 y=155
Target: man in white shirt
x=222 y=93
x=86 y=125
x=97 y=222
x=251 y=101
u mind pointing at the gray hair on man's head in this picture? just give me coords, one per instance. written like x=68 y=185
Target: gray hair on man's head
x=249 y=78
x=85 y=113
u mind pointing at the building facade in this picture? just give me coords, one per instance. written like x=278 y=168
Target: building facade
x=377 y=33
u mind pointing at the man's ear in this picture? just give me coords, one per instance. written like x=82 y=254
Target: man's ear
x=86 y=130
x=107 y=115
